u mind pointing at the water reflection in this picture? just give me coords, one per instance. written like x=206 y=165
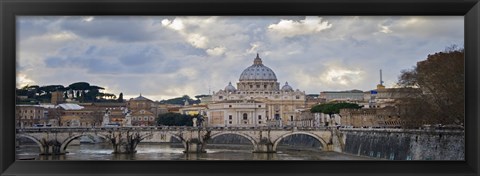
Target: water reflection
x=166 y=151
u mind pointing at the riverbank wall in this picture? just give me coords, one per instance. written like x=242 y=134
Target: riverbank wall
x=401 y=144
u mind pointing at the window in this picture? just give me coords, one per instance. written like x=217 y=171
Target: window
x=251 y=86
x=259 y=122
x=291 y=118
x=230 y=122
x=245 y=116
x=265 y=86
x=259 y=106
x=230 y=117
x=259 y=117
x=277 y=116
x=220 y=97
x=145 y=118
x=297 y=97
x=229 y=106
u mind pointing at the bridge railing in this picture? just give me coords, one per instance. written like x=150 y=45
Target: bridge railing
x=399 y=130
x=163 y=128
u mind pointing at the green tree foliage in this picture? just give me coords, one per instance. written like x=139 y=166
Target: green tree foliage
x=441 y=79
x=201 y=96
x=175 y=119
x=180 y=100
x=82 y=91
x=37 y=93
x=333 y=108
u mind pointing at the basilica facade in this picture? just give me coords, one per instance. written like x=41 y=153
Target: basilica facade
x=257 y=100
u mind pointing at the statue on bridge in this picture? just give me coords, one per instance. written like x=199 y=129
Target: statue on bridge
x=128 y=120
x=106 y=118
x=194 y=122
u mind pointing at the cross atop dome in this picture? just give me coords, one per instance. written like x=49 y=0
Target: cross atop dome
x=257 y=61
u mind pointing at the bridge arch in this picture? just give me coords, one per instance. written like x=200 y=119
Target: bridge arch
x=42 y=150
x=176 y=136
x=251 y=139
x=321 y=140
x=67 y=141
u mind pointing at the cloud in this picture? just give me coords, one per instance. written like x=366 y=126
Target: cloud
x=116 y=28
x=341 y=76
x=164 y=57
x=217 y=51
x=195 y=39
x=23 y=80
x=290 y=28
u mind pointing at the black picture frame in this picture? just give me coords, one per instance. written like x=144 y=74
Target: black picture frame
x=11 y=8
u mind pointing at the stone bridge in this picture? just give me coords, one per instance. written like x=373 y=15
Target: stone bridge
x=194 y=139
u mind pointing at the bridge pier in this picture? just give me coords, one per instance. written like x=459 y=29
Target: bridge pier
x=125 y=142
x=264 y=146
x=194 y=146
x=51 y=147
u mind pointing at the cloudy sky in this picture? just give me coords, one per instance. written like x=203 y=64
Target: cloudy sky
x=164 y=57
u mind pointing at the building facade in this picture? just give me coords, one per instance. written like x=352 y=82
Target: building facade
x=350 y=95
x=258 y=100
x=383 y=97
x=371 y=117
x=30 y=115
x=142 y=111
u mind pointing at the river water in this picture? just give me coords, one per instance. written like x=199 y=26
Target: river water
x=168 y=151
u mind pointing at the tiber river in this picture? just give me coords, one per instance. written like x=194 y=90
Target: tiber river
x=172 y=151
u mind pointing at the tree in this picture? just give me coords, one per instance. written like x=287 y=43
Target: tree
x=120 y=97
x=201 y=96
x=180 y=100
x=92 y=93
x=441 y=80
x=174 y=119
x=333 y=108
x=77 y=87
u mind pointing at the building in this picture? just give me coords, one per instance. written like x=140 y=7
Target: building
x=143 y=111
x=383 y=97
x=314 y=100
x=159 y=108
x=194 y=110
x=372 y=117
x=116 y=110
x=143 y=118
x=258 y=100
x=349 y=95
x=30 y=115
x=74 y=115
x=57 y=97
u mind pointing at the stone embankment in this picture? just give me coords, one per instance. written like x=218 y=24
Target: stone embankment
x=399 y=144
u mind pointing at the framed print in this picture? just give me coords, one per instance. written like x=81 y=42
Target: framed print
x=251 y=87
